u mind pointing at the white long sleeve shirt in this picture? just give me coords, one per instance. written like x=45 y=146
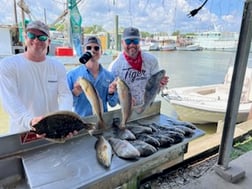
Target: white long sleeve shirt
x=29 y=89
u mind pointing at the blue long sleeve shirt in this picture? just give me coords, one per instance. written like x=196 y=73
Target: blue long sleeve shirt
x=81 y=104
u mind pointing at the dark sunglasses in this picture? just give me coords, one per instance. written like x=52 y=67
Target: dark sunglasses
x=40 y=37
x=129 y=41
x=96 y=48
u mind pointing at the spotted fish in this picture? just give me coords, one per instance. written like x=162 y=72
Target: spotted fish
x=125 y=99
x=94 y=99
x=59 y=124
x=103 y=151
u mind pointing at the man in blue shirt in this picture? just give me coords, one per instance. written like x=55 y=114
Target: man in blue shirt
x=101 y=79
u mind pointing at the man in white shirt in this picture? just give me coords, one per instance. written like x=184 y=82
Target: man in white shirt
x=32 y=84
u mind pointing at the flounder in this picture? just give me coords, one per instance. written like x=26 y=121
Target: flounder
x=59 y=124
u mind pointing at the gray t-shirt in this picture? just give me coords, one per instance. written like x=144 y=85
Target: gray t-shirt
x=136 y=80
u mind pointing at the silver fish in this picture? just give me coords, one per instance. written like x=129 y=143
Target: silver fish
x=152 y=88
x=125 y=99
x=59 y=124
x=103 y=151
x=124 y=149
x=94 y=99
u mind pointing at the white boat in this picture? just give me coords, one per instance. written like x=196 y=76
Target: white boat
x=216 y=40
x=149 y=45
x=167 y=45
x=207 y=104
x=193 y=47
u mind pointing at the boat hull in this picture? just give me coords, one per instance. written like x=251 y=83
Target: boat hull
x=199 y=116
x=208 y=103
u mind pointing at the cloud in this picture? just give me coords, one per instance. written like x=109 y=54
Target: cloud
x=147 y=15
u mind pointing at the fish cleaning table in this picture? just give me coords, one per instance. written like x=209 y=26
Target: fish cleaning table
x=73 y=164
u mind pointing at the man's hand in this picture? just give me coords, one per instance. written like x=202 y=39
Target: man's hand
x=164 y=81
x=112 y=87
x=77 y=90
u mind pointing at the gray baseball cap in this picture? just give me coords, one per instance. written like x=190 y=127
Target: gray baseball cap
x=39 y=26
x=131 y=33
x=92 y=39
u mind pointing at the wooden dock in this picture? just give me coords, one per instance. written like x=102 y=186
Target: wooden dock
x=209 y=142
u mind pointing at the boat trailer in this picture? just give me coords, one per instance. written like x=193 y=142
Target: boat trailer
x=45 y=165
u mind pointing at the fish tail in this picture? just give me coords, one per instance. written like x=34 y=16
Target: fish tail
x=101 y=125
x=122 y=125
x=90 y=127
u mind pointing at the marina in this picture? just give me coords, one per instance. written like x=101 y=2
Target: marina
x=44 y=164
x=203 y=68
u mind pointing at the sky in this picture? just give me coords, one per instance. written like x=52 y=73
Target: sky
x=151 y=16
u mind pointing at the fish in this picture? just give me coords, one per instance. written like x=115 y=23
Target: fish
x=152 y=88
x=59 y=124
x=188 y=131
x=148 y=139
x=123 y=148
x=95 y=101
x=176 y=136
x=104 y=151
x=123 y=133
x=174 y=121
x=165 y=141
x=144 y=148
x=169 y=128
x=125 y=98
x=137 y=129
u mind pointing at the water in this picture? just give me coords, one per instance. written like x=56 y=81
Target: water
x=184 y=68
x=194 y=68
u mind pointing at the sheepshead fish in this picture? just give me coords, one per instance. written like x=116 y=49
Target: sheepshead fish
x=144 y=148
x=125 y=99
x=188 y=131
x=176 y=136
x=59 y=124
x=124 y=149
x=103 y=151
x=152 y=88
x=174 y=121
x=165 y=141
x=138 y=129
x=148 y=139
x=123 y=133
x=94 y=99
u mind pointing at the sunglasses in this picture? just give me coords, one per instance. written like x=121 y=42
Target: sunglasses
x=129 y=41
x=40 y=37
x=96 y=48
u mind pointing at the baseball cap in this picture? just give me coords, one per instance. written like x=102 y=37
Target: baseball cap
x=92 y=39
x=130 y=33
x=39 y=26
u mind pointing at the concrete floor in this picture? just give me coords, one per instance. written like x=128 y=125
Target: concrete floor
x=238 y=167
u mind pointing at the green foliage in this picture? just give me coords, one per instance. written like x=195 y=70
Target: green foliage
x=241 y=148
